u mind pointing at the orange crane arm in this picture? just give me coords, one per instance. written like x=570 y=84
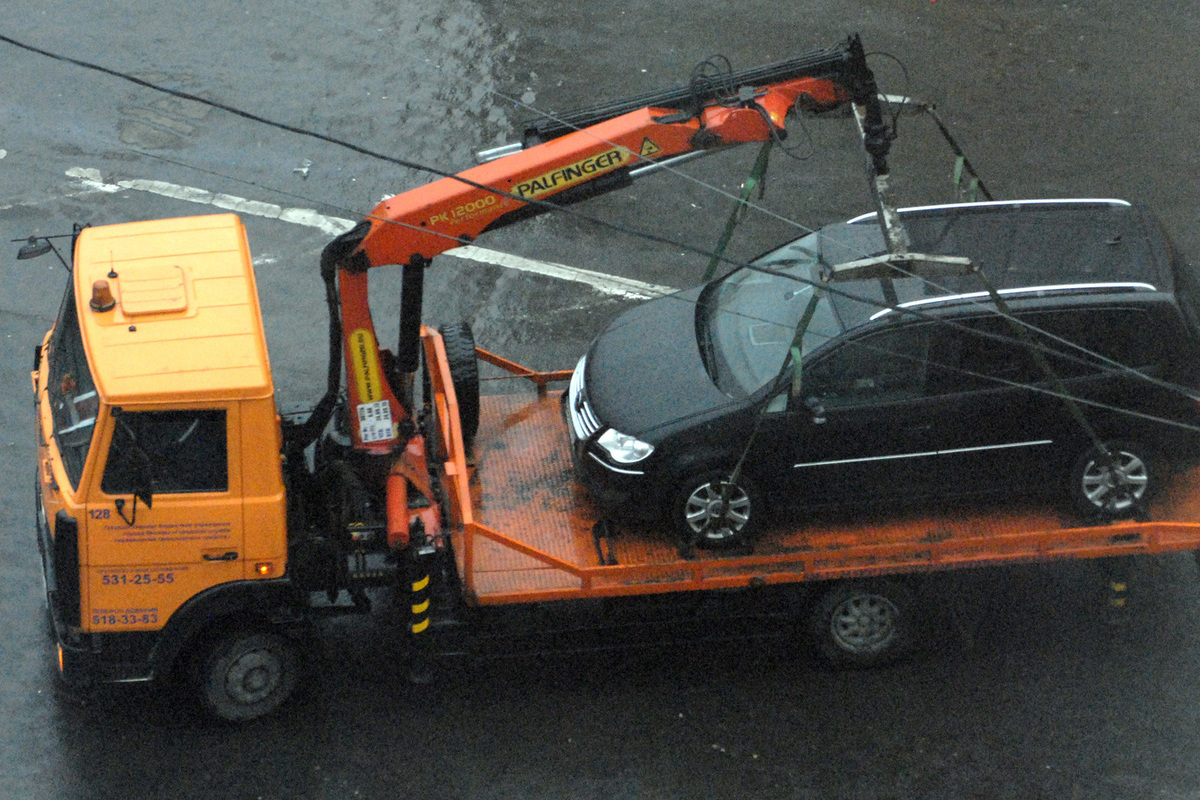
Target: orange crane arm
x=454 y=211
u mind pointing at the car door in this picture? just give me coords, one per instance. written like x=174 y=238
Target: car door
x=860 y=428
x=997 y=424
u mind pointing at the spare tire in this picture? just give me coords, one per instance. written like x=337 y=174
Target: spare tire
x=464 y=374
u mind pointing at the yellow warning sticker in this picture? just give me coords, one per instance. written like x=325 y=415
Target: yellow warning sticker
x=649 y=148
x=567 y=176
x=366 y=366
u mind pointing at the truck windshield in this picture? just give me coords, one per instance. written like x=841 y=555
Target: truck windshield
x=73 y=399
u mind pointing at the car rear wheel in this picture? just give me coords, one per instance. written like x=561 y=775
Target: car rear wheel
x=1115 y=487
x=712 y=512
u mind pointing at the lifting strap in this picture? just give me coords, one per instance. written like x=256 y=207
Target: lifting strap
x=755 y=179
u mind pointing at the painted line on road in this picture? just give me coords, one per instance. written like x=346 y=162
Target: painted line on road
x=91 y=180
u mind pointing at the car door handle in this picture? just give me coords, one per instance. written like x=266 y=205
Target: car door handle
x=926 y=428
x=230 y=556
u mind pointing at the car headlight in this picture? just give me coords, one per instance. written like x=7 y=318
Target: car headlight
x=623 y=448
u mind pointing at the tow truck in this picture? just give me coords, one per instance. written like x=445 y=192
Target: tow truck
x=190 y=529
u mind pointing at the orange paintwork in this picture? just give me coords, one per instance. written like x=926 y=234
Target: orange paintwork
x=523 y=525
x=186 y=325
x=435 y=218
x=185 y=333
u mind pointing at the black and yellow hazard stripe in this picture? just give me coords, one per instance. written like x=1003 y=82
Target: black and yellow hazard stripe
x=420 y=604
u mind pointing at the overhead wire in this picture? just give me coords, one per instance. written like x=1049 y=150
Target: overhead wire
x=954 y=324
x=551 y=206
x=547 y=205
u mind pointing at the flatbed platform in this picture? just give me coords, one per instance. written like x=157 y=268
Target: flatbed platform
x=526 y=532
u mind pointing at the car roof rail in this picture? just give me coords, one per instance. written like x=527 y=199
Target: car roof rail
x=1056 y=289
x=1099 y=201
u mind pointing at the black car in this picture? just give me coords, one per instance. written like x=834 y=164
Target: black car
x=906 y=388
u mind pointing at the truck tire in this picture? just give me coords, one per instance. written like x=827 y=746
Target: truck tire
x=245 y=676
x=41 y=525
x=863 y=623
x=464 y=374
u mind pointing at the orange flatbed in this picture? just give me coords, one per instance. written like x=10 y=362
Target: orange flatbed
x=524 y=529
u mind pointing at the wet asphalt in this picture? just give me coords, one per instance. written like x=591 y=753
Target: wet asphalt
x=1028 y=685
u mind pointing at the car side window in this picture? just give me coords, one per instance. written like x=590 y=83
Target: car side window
x=173 y=451
x=987 y=353
x=878 y=368
x=995 y=354
x=990 y=356
x=1128 y=336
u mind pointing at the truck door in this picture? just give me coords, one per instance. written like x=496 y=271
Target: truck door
x=164 y=514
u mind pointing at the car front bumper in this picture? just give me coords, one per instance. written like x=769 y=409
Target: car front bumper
x=618 y=492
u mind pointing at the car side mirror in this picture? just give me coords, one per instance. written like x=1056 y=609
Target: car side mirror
x=817 y=409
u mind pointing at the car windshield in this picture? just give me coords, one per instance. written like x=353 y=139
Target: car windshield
x=73 y=399
x=749 y=317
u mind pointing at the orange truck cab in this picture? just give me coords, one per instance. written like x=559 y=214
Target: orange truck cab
x=161 y=490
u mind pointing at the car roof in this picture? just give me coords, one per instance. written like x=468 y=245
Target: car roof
x=1039 y=242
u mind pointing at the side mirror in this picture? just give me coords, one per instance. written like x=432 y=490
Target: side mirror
x=142 y=468
x=143 y=487
x=142 y=491
x=816 y=409
x=34 y=247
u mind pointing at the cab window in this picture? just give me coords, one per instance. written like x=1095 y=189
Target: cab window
x=167 y=452
x=73 y=399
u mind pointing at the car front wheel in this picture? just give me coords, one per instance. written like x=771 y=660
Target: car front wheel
x=713 y=512
x=1113 y=487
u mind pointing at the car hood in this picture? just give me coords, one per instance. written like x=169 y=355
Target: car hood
x=644 y=370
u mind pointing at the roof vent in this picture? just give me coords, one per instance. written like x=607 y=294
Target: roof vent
x=152 y=289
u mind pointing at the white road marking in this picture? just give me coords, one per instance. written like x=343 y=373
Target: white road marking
x=92 y=181
x=608 y=284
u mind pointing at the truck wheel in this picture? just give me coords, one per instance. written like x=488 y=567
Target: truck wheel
x=246 y=676
x=714 y=513
x=1116 y=491
x=863 y=623
x=464 y=374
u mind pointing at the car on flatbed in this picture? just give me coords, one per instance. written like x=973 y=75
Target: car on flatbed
x=908 y=388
